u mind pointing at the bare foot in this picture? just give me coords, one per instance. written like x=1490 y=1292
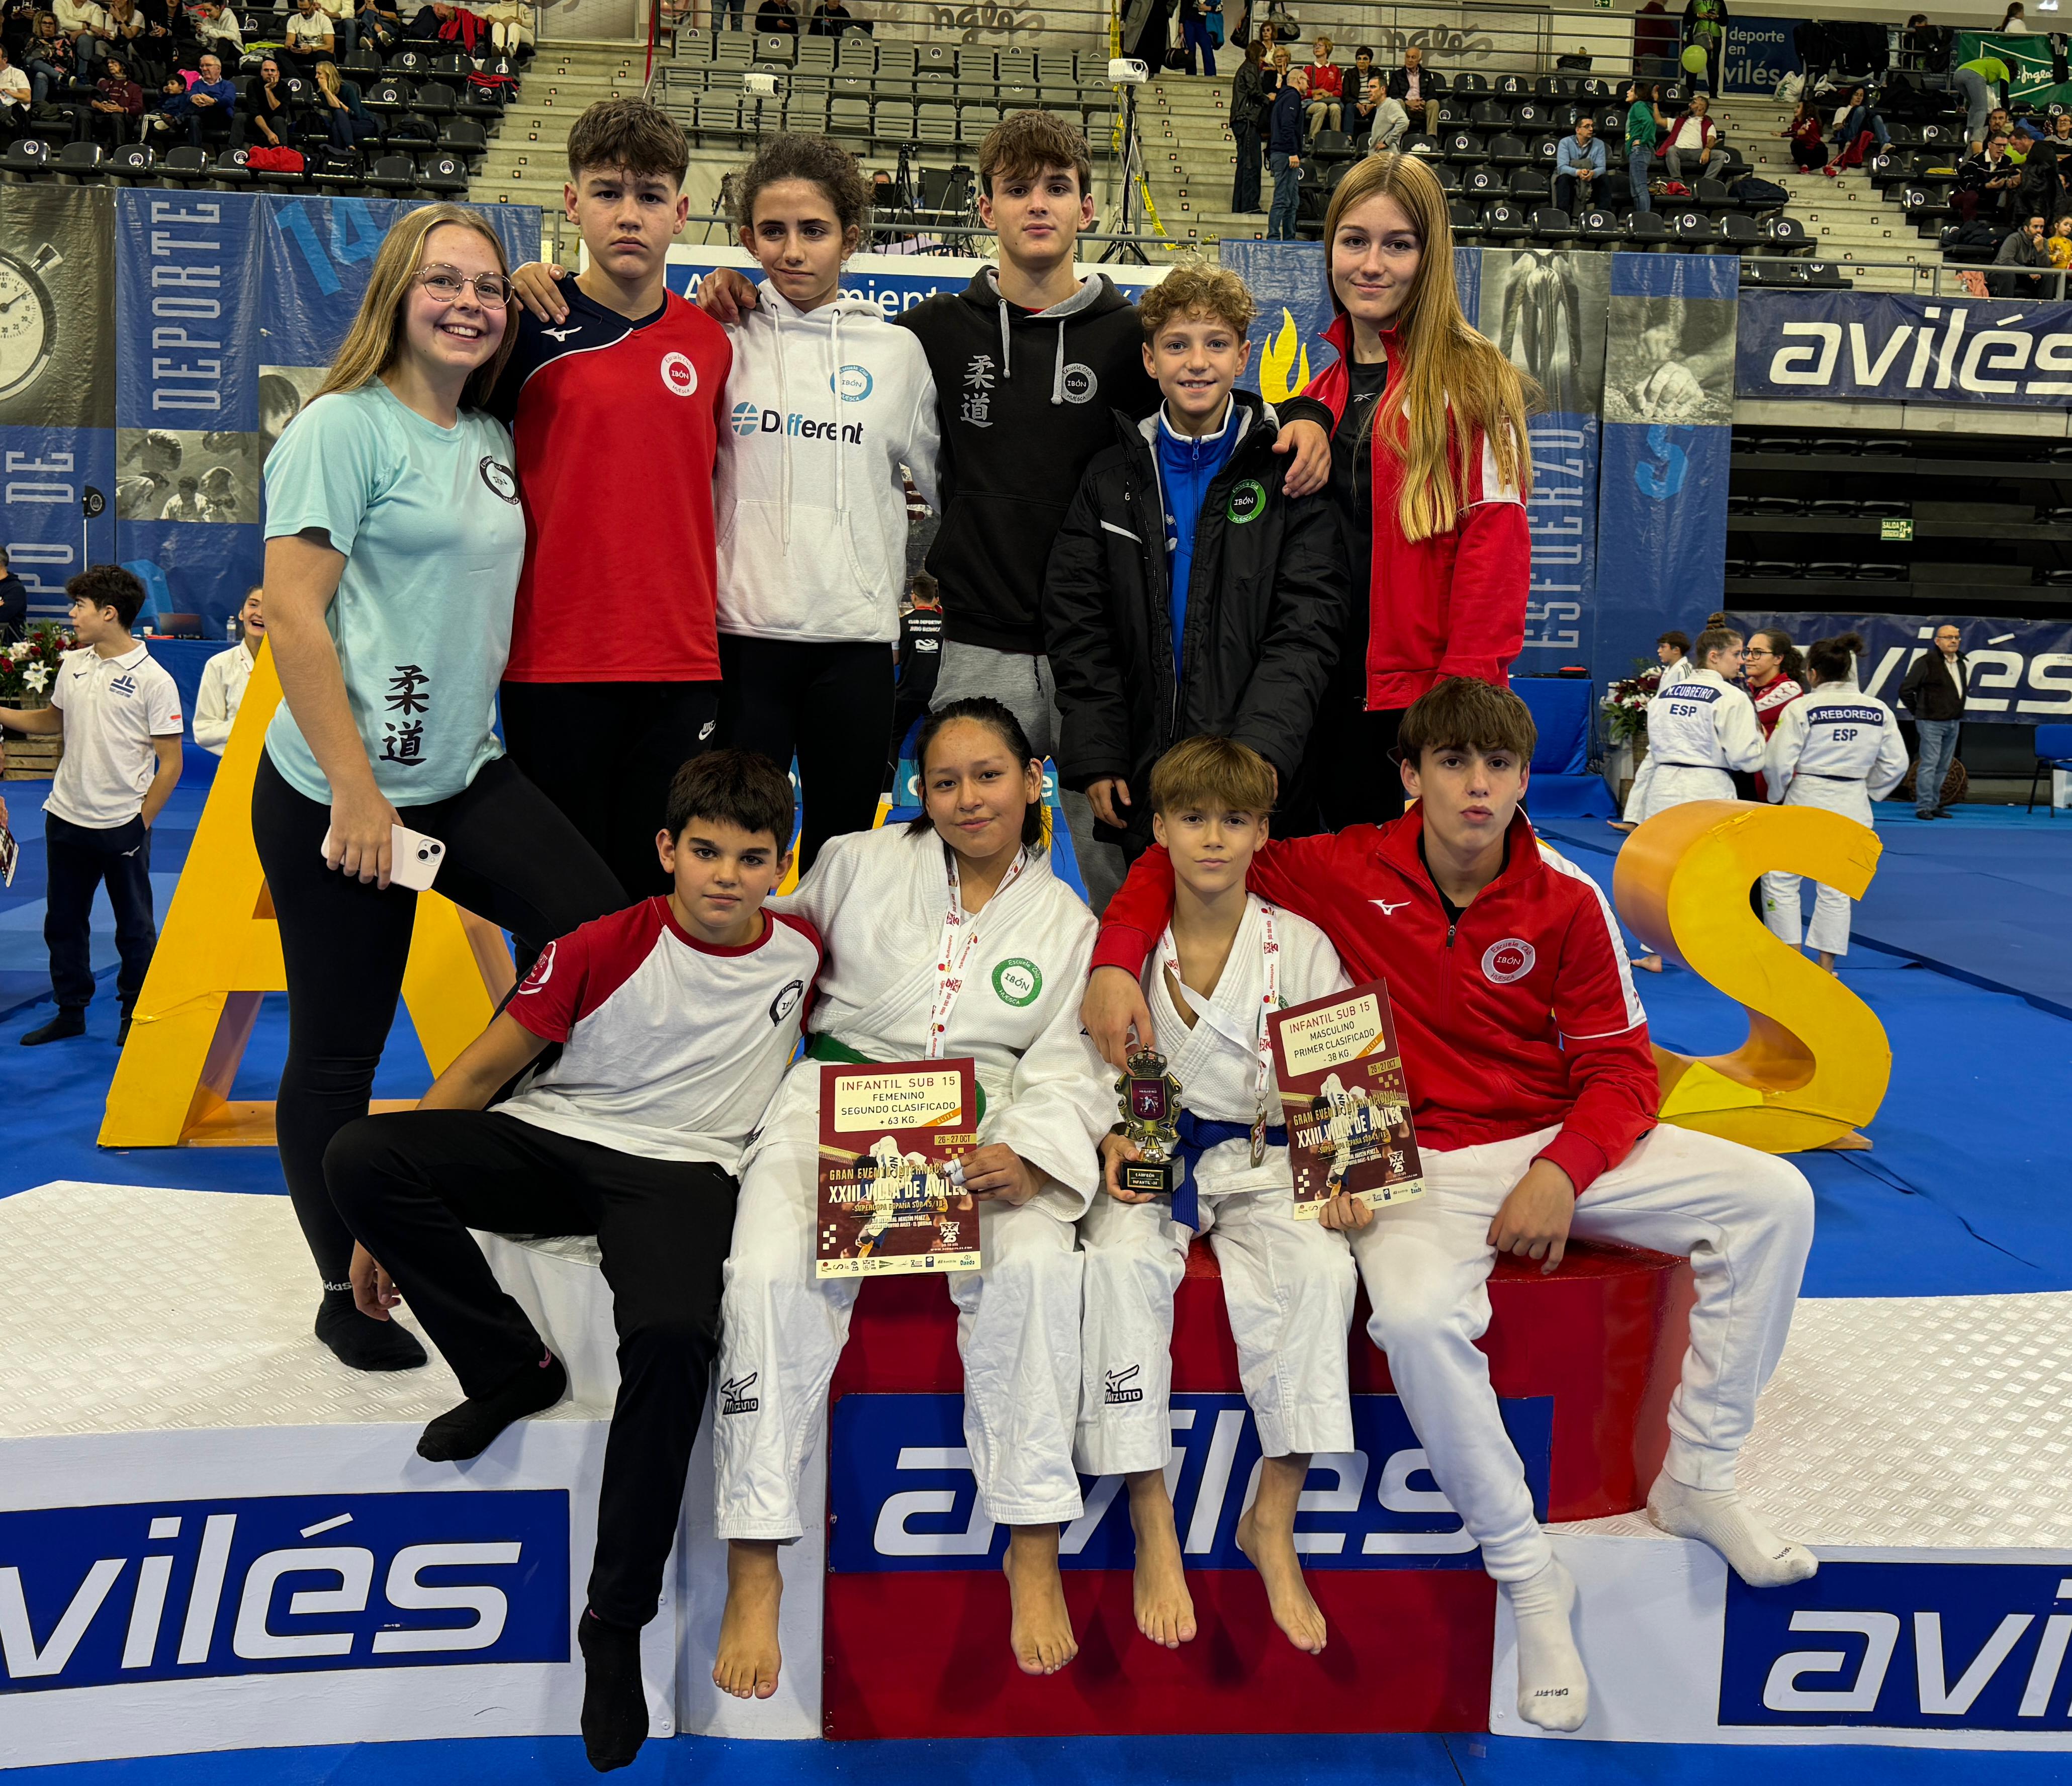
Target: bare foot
x=1648 y=963
x=1165 y=1609
x=1622 y=825
x=1042 y=1632
x=748 y=1657
x=1271 y=1552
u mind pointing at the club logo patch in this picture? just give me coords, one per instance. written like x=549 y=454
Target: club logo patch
x=1510 y=960
x=745 y=418
x=1248 y=501
x=680 y=375
x=1018 y=982
x=852 y=384
x=734 y=1396
x=500 y=477
x=1121 y=1388
x=543 y=971
x=787 y=1002
x=1080 y=384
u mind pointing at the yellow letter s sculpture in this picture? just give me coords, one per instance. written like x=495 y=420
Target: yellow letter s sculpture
x=1816 y=1062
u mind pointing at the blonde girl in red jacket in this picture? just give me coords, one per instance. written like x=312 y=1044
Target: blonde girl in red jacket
x=1430 y=469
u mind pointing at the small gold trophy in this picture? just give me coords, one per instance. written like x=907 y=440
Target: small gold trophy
x=1150 y=1097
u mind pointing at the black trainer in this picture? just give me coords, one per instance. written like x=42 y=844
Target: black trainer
x=70 y=1021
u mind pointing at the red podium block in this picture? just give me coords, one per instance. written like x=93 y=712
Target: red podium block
x=1587 y=1358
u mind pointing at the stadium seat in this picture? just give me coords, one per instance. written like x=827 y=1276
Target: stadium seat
x=1711 y=197
x=1530 y=187
x=387 y=96
x=25 y=157
x=410 y=62
x=442 y=174
x=133 y=164
x=1506 y=222
x=1462 y=145
x=1448 y=177
x=1691 y=228
x=411 y=129
x=1508 y=151
x=79 y=161
x=452 y=66
x=1489 y=114
x=776 y=46
x=361 y=65
x=979 y=65
x=1512 y=86
x=1787 y=235
x=805 y=111
x=1481 y=182
x=1646 y=229
x=1417 y=143
x=393 y=174
x=716 y=117
x=436 y=100
x=893 y=121
x=1552 y=224
x=817 y=55
x=1611 y=125
x=1332 y=145
x=1741 y=231
x=467 y=139
x=936 y=122
x=1467 y=220
x=1600 y=227
x=1471 y=84
x=897 y=60
x=1530 y=116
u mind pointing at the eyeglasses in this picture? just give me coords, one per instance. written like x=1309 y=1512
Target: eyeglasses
x=447 y=283
x=1754 y=651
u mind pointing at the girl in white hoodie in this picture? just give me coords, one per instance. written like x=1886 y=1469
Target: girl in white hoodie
x=829 y=402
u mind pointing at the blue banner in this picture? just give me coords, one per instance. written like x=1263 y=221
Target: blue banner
x=1760 y=53
x=2017 y=673
x=1848 y=346
x=901 y=1495
x=231 y=306
x=1669 y=397
x=170 y=1590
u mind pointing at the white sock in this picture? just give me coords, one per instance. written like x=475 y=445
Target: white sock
x=1717 y=1517
x=1553 y=1691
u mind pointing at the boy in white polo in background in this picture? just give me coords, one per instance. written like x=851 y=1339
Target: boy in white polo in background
x=1227 y=959
x=120 y=714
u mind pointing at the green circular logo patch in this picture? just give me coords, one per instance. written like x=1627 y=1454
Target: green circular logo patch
x=1018 y=982
x=1248 y=501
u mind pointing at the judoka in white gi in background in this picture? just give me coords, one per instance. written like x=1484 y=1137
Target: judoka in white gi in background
x=1676 y=665
x=225 y=677
x=1227 y=959
x=1699 y=729
x=1838 y=748
x=955 y=940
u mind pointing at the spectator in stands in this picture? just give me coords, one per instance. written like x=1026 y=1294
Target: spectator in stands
x=2000 y=123
x=395 y=537
x=1935 y=691
x=1705 y=25
x=13 y=592
x=2013 y=23
x=1654 y=36
x=50 y=60
x=343 y=30
x=207 y=106
x=1195 y=35
x=1808 y=140
x=18 y=93
x=381 y=26
x=1417 y=87
x=345 y=122
x=1975 y=81
x=2058 y=248
x=263 y=112
x=1579 y=164
x=310 y=39
x=1694 y=142
x=116 y=105
x=2046 y=175
x=1284 y=154
x=1859 y=130
x=146 y=48
x=1368 y=93
x=1986 y=184
x=225 y=677
x=1326 y=88
x=1429 y=467
x=1645 y=127
x=830 y=18
x=215 y=27
x=84 y=23
x=1248 y=104
x=776 y=18
x=2024 y=247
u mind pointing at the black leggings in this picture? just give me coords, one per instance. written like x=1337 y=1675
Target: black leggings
x=605 y=753
x=412 y=1183
x=510 y=858
x=831 y=706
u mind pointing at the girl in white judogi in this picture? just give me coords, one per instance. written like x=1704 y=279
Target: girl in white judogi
x=1696 y=732
x=1838 y=748
x=1227 y=960
x=950 y=938
x=1672 y=650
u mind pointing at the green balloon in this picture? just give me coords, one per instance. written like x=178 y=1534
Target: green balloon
x=1694 y=58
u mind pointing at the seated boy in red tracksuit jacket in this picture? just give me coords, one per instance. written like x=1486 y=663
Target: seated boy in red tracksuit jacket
x=1533 y=1088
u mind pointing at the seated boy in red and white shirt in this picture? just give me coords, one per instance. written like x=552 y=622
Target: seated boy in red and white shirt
x=1534 y=1090
x=675 y=1018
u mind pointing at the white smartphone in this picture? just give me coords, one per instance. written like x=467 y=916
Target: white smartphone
x=414 y=859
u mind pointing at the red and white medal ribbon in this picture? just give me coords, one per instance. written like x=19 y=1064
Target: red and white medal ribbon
x=1261 y=1040
x=953 y=954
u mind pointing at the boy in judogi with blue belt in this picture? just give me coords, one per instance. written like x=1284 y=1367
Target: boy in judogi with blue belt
x=1227 y=961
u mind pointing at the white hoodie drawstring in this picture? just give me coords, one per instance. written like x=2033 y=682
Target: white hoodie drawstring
x=834 y=389
x=1057 y=377
x=784 y=409
x=1006 y=360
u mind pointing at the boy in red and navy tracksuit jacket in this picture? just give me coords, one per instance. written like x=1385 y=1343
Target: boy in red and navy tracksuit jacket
x=1533 y=1088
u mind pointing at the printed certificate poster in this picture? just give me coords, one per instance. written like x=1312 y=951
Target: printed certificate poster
x=1343 y=1098
x=888 y=1137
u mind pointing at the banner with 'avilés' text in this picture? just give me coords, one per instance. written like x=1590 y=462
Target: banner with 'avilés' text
x=1850 y=346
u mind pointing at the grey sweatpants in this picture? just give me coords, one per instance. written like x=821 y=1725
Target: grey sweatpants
x=1024 y=685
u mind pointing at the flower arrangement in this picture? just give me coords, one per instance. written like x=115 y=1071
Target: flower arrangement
x=30 y=665
x=1626 y=701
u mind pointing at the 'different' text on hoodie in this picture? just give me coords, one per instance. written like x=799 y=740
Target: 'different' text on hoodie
x=1026 y=398
x=824 y=406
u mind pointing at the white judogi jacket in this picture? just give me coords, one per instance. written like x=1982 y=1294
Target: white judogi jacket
x=1697 y=731
x=878 y=899
x=1836 y=747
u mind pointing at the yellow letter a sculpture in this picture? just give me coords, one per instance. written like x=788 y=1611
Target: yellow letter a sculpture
x=1816 y=1062
x=220 y=953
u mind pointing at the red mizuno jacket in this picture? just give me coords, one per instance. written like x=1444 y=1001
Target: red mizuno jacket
x=1521 y=1017
x=1450 y=605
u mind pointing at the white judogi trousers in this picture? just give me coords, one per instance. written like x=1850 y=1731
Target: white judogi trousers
x=1288 y=1287
x=1829 y=930
x=1746 y=1221
x=783 y=1330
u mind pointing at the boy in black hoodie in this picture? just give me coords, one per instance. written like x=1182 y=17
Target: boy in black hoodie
x=1187 y=592
x=1028 y=362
